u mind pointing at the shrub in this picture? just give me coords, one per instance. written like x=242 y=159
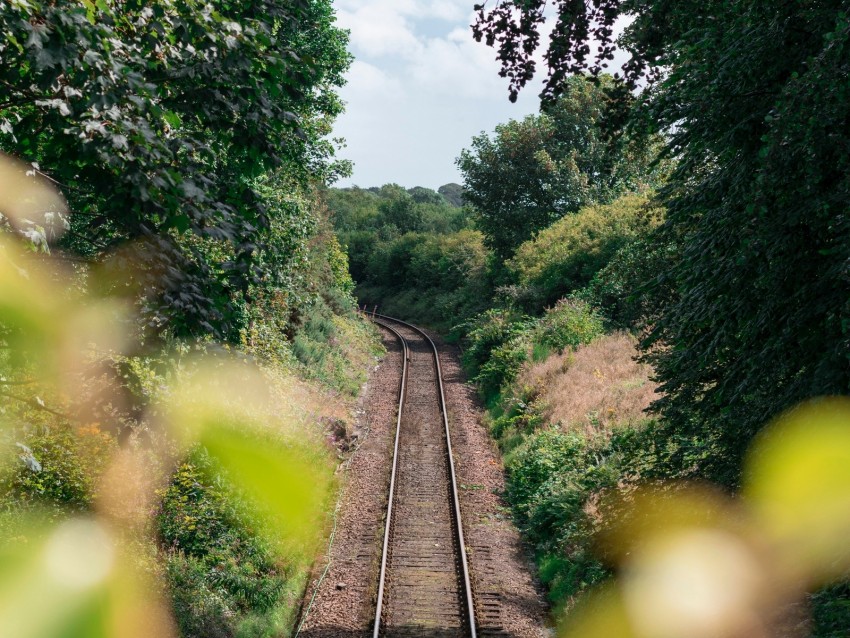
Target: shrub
x=831 y=611
x=625 y=287
x=570 y=323
x=535 y=463
x=565 y=257
x=500 y=341
x=488 y=331
x=219 y=569
x=502 y=367
x=552 y=480
x=571 y=426
x=435 y=280
x=521 y=413
x=58 y=467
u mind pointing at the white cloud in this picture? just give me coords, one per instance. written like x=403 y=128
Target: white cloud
x=455 y=65
x=451 y=10
x=366 y=81
x=375 y=32
x=420 y=89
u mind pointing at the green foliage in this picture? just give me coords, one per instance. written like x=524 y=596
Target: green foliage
x=759 y=318
x=371 y=225
x=534 y=172
x=502 y=366
x=186 y=138
x=542 y=456
x=490 y=330
x=569 y=324
x=237 y=523
x=499 y=341
x=401 y=210
x=437 y=279
x=391 y=206
x=303 y=314
x=220 y=572
x=515 y=416
x=422 y=195
x=554 y=477
x=831 y=611
x=567 y=255
x=551 y=476
x=750 y=315
x=159 y=139
x=56 y=467
x=627 y=289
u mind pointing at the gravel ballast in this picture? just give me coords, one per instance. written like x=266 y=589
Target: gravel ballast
x=508 y=602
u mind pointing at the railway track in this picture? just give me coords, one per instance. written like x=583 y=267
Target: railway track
x=424 y=585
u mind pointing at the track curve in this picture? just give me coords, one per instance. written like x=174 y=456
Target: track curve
x=424 y=587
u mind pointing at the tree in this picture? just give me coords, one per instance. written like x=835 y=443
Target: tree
x=533 y=172
x=755 y=101
x=422 y=195
x=158 y=118
x=453 y=193
x=400 y=209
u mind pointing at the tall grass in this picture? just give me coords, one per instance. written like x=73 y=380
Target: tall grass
x=570 y=424
x=594 y=388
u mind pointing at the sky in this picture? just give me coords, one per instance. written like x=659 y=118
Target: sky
x=419 y=89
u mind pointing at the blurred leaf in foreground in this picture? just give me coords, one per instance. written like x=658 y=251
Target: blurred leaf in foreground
x=600 y=614
x=694 y=563
x=53 y=331
x=798 y=483
x=227 y=408
x=73 y=580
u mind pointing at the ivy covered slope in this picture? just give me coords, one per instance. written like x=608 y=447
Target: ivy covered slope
x=188 y=142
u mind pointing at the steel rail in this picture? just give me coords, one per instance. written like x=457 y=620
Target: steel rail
x=470 y=606
x=387 y=524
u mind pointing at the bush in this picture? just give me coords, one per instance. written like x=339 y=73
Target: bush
x=565 y=257
x=521 y=413
x=436 y=280
x=220 y=571
x=569 y=324
x=58 y=467
x=831 y=611
x=551 y=476
x=570 y=426
x=502 y=367
x=500 y=341
x=488 y=331
x=625 y=288
x=532 y=466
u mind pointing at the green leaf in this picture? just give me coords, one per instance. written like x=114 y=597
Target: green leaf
x=284 y=479
x=90 y=10
x=172 y=118
x=11 y=38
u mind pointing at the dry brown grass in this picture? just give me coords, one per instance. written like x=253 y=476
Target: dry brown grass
x=595 y=388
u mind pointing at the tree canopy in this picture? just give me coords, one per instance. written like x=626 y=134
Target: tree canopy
x=534 y=171
x=158 y=118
